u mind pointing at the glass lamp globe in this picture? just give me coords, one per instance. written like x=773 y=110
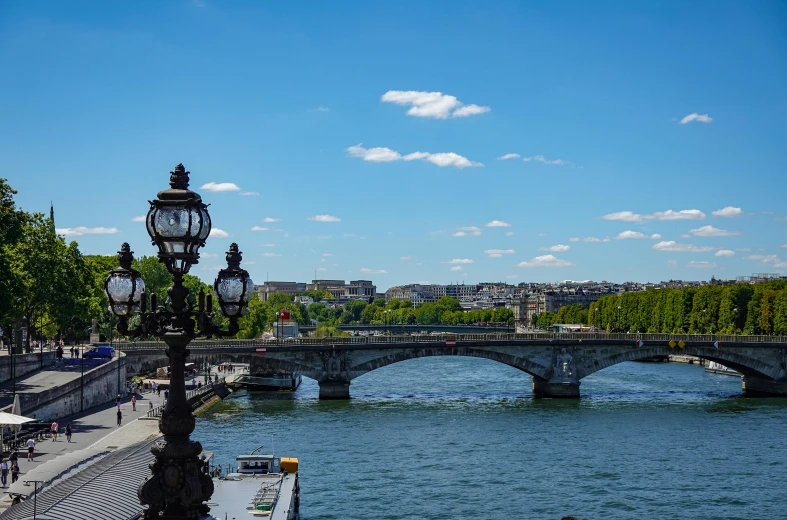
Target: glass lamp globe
x=233 y=286
x=178 y=223
x=124 y=286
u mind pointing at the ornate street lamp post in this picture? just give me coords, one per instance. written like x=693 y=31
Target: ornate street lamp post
x=178 y=224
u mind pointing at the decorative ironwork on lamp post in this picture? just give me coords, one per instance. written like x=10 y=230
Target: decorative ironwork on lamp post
x=178 y=224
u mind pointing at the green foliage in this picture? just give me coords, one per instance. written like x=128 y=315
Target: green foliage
x=318 y=295
x=739 y=308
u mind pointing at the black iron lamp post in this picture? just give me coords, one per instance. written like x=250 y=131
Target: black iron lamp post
x=178 y=224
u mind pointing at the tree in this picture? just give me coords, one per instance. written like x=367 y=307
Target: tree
x=154 y=273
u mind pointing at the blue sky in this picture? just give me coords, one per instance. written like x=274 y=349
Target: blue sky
x=632 y=123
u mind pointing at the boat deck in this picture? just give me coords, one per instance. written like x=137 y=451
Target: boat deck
x=233 y=497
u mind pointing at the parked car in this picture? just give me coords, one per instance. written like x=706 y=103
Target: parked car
x=100 y=352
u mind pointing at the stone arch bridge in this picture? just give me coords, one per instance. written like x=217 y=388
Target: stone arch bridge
x=557 y=362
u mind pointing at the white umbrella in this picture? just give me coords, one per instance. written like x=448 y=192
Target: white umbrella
x=10 y=419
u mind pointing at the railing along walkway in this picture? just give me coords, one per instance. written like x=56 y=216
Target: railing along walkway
x=196 y=392
x=436 y=339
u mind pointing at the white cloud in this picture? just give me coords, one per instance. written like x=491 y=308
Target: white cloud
x=498 y=223
x=771 y=260
x=377 y=154
x=542 y=234
x=625 y=216
x=459 y=261
x=82 y=230
x=468 y=230
x=559 y=248
x=140 y=218
x=322 y=269
x=630 y=216
x=327 y=254
x=684 y=214
x=509 y=233
x=573 y=239
x=366 y=270
x=701 y=265
x=218 y=233
x=457 y=268
x=220 y=186
x=470 y=110
x=508 y=156
x=629 y=235
x=728 y=211
x=655 y=236
x=545 y=261
x=249 y=193
x=672 y=264
x=497 y=253
x=511 y=276
x=322 y=109
x=591 y=239
x=324 y=218
x=702 y=118
x=382 y=154
x=672 y=246
x=270 y=254
x=268 y=245
x=724 y=252
x=432 y=104
x=406 y=258
x=208 y=255
x=542 y=159
x=783 y=246
x=710 y=231
x=271 y=219
x=260 y=228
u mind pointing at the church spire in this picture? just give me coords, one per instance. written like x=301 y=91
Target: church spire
x=52 y=216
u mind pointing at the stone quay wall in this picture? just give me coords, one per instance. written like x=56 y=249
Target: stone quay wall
x=100 y=387
x=24 y=364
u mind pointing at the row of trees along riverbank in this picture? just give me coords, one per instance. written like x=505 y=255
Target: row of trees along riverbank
x=739 y=308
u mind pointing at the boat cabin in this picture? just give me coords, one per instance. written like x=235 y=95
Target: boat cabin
x=258 y=464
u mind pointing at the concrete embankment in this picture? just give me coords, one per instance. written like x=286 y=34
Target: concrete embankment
x=57 y=392
x=19 y=365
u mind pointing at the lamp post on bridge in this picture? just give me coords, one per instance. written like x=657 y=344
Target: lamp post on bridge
x=617 y=325
x=178 y=224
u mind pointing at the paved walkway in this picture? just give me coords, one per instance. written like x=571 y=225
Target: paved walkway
x=96 y=428
x=39 y=381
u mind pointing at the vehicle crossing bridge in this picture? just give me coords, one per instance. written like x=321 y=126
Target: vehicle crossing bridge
x=557 y=362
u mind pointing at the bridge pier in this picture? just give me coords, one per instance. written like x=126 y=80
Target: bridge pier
x=545 y=388
x=757 y=386
x=334 y=389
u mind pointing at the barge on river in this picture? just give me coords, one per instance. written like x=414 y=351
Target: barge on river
x=261 y=487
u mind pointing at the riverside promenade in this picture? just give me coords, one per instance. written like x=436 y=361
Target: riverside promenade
x=95 y=428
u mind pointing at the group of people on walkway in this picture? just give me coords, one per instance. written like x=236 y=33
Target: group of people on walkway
x=9 y=465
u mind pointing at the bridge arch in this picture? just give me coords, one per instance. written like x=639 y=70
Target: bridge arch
x=748 y=366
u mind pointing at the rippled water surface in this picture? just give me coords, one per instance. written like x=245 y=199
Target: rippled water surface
x=462 y=438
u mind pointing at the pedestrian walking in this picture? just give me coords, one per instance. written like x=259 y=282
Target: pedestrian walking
x=4 y=473
x=150 y=404
x=120 y=416
x=158 y=389
x=53 y=430
x=117 y=401
x=31 y=446
x=133 y=403
x=14 y=471
x=69 y=431
x=166 y=395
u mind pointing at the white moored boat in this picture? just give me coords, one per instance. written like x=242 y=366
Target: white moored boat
x=718 y=368
x=262 y=486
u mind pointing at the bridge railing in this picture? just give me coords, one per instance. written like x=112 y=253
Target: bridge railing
x=437 y=339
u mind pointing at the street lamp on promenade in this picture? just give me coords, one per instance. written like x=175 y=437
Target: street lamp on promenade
x=178 y=224
x=617 y=325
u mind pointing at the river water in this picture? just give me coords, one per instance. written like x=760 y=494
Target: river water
x=462 y=438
